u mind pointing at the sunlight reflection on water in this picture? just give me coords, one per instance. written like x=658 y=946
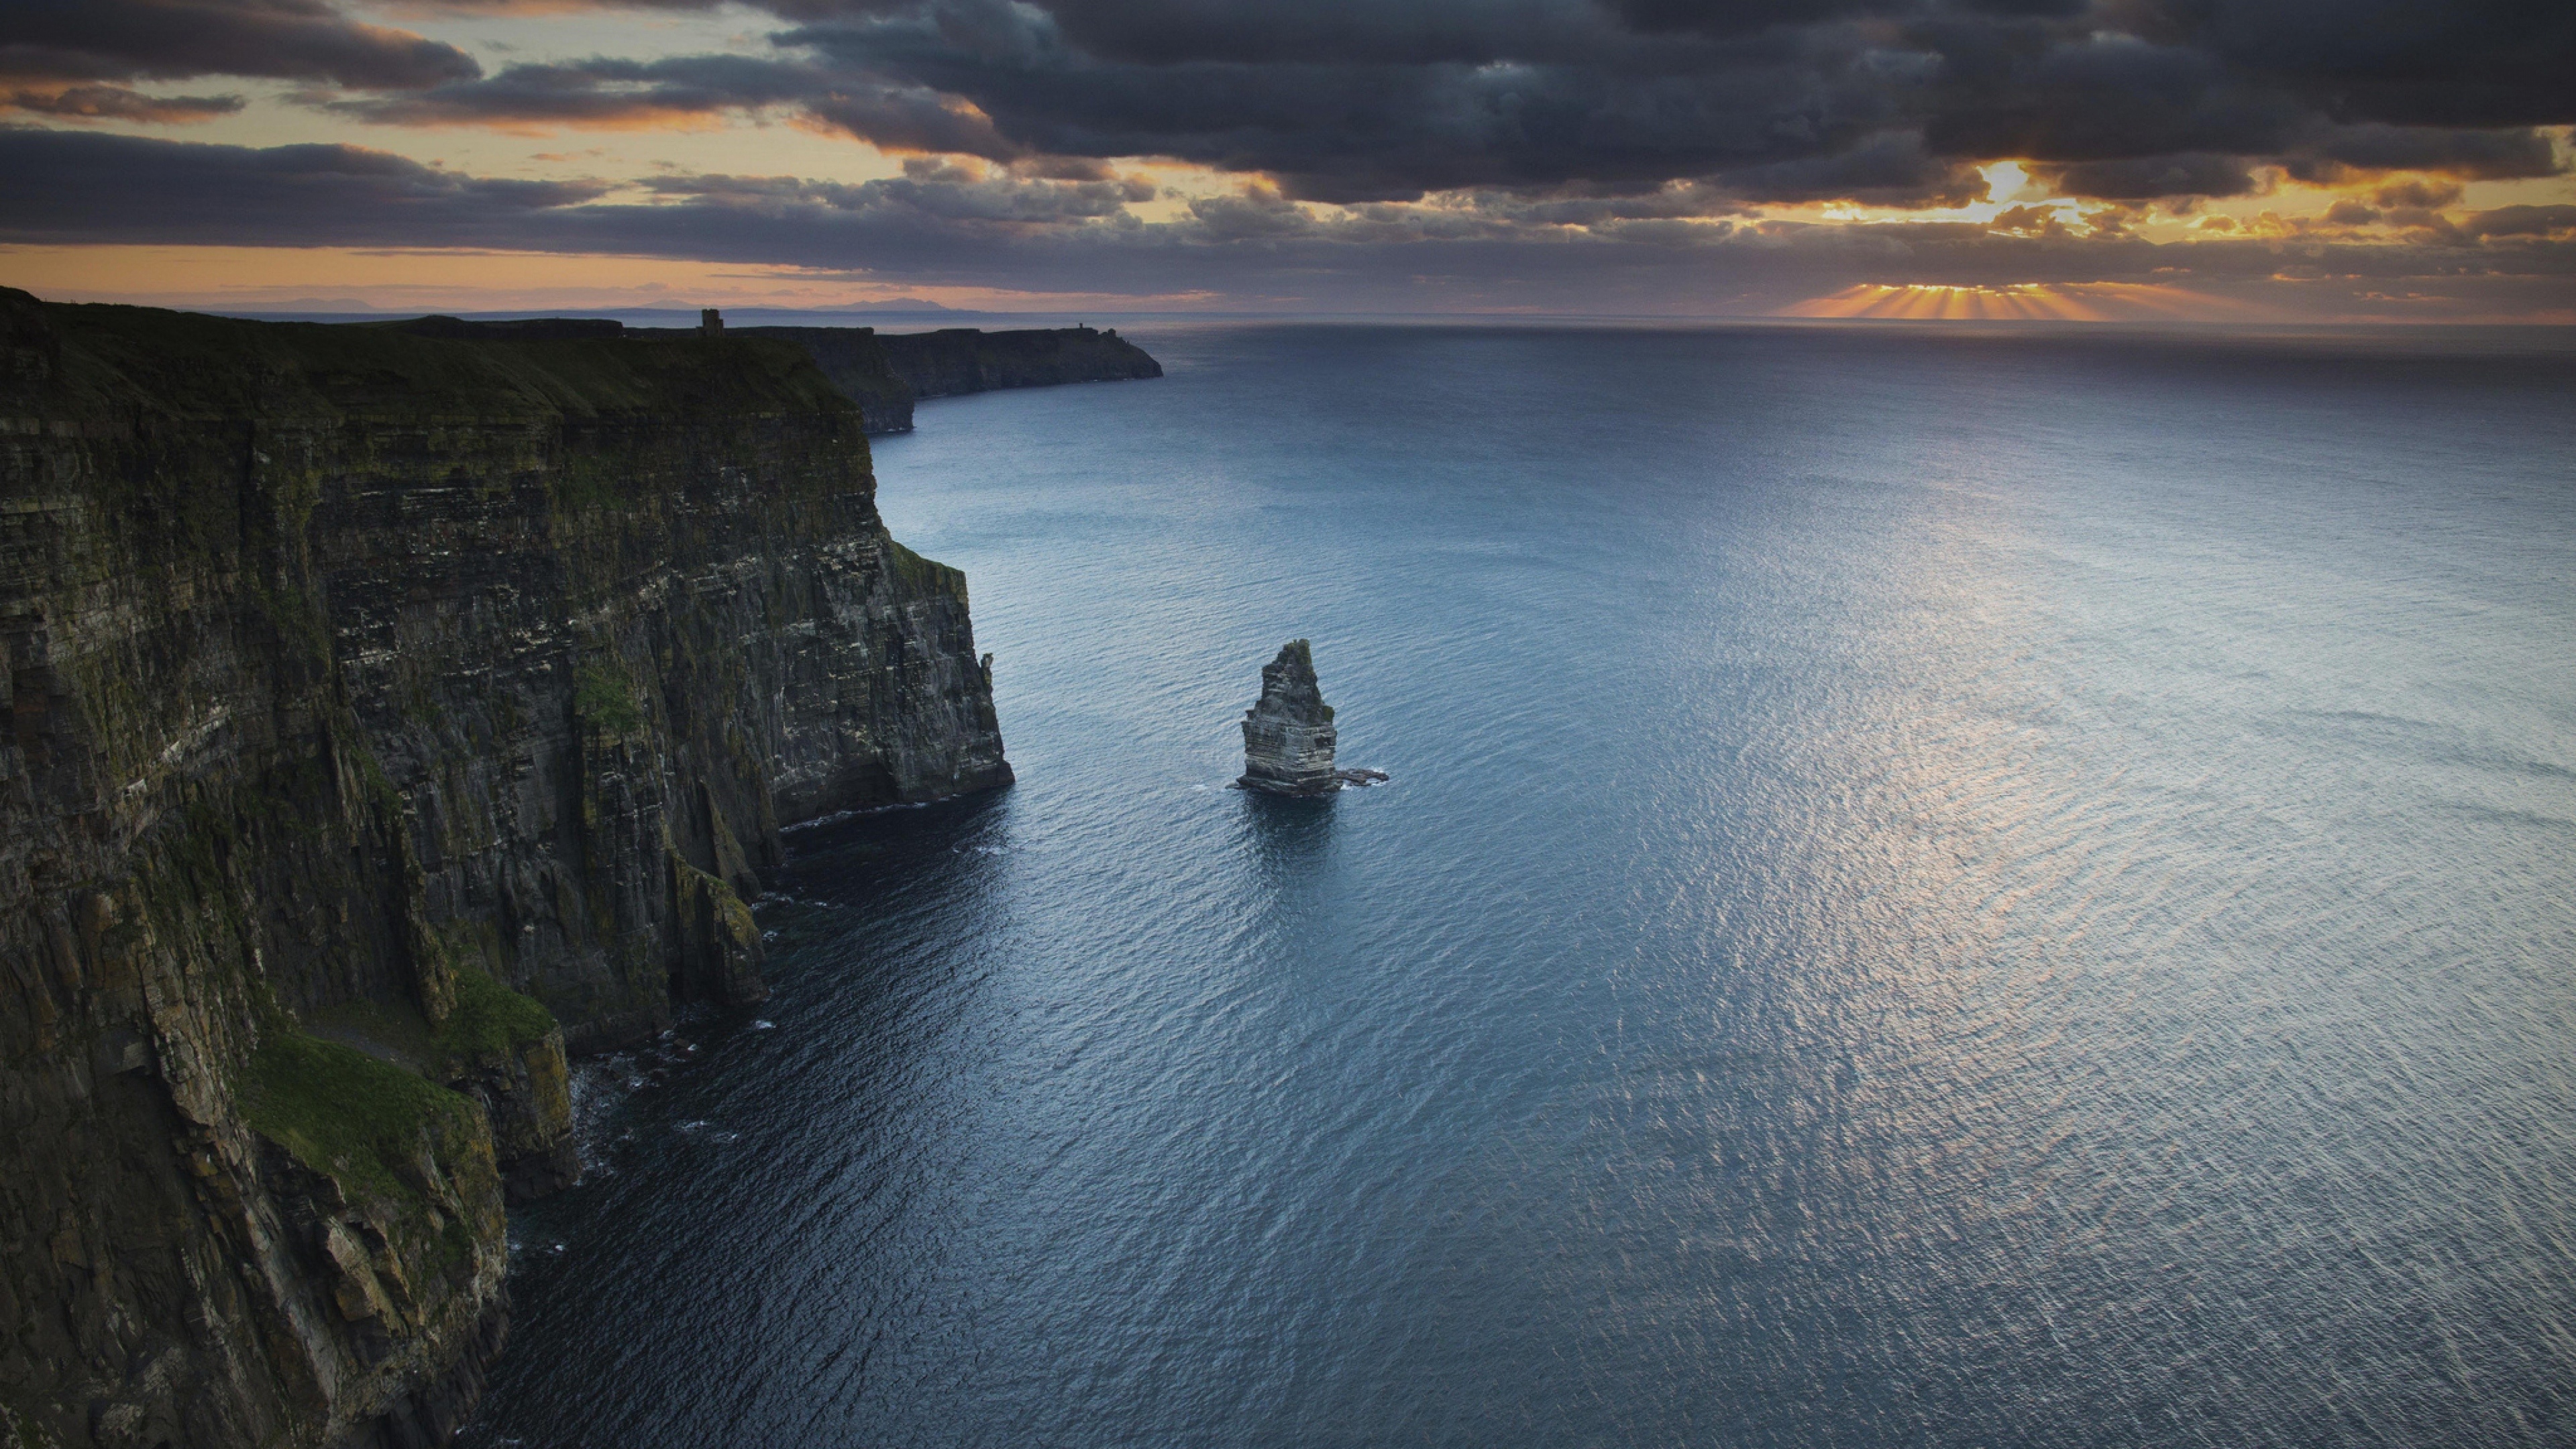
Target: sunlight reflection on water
x=1936 y=892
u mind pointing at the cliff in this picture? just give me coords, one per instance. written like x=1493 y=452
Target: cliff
x=854 y=358
x=885 y=373
x=958 y=360
x=389 y=714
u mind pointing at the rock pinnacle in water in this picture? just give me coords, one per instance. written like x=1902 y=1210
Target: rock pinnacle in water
x=1288 y=737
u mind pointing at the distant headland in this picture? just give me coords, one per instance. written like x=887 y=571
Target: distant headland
x=885 y=374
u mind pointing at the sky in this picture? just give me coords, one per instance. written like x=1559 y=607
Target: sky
x=2270 y=161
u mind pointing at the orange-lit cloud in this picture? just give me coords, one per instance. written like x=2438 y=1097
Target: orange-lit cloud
x=116 y=103
x=283 y=279
x=2068 y=161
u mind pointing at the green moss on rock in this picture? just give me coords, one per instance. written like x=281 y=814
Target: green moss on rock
x=491 y=1019
x=488 y=1023
x=604 y=698
x=343 y=1113
x=725 y=907
x=926 y=576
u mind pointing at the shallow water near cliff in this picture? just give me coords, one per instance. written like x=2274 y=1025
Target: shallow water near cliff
x=1938 y=888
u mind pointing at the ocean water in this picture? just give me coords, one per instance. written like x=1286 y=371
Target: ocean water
x=1939 y=887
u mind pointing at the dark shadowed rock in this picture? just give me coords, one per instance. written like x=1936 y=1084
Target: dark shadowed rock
x=1288 y=737
x=958 y=360
x=521 y=329
x=854 y=358
x=391 y=711
x=884 y=374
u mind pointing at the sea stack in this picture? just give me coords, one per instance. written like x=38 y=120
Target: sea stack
x=1288 y=737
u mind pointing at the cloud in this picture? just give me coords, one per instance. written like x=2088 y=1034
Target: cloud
x=2450 y=150
x=1890 y=169
x=1889 y=102
x=927 y=191
x=71 y=40
x=78 y=186
x=1593 y=148
x=2021 y=91
x=972 y=225
x=2415 y=193
x=2466 y=63
x=117 y=103
x=2175 y=109
x=1351 y=102
x=2145 y=178
x=1327 y=32
x=1377 y=123
x=2521 y=221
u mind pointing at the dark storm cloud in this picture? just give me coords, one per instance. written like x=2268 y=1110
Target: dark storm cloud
x=2522 y=221
x=76 y=186
x=1377 y=123
x=1330 y=32
x=2147 y=178
x=170 y=39
x=1889 y=169
x=2186 y=109
x=2379 y=146
x=1363 y=100
x=1356 y=101
x=608 y=92
x=2480 y=64
x=946 y=224
x=2097 y=98
x=1006 y=82
x=1348 y=101
x=591 y=92
x=63 y=186
x=2473 y=63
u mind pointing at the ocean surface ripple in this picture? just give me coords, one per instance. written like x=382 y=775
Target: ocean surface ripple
x=1939 y=888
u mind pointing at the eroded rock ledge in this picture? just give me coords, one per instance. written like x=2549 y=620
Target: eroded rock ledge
x=389 y=714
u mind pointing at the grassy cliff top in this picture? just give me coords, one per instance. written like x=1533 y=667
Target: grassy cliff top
x=88 y=358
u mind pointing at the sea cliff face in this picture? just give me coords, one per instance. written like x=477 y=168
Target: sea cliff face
x=390 y=714
x=957 y=360
x=854 y=358
x=884 y=373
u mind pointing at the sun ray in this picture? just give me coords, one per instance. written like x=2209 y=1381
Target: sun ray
x=2019 y=302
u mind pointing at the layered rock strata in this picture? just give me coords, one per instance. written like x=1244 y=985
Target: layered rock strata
x=388 y=714
x=1288 y=736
